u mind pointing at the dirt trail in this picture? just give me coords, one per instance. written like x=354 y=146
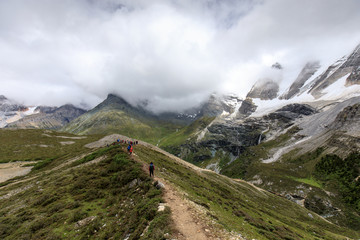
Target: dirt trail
x=190 y=220
x=186 y=224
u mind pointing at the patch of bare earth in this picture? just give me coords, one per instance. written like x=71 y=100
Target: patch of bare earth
x=67 y=143
x=13 y=169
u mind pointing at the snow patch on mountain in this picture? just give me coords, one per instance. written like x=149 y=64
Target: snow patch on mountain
x=338 y=90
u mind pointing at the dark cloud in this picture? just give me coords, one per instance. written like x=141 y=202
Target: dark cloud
x=172 y=53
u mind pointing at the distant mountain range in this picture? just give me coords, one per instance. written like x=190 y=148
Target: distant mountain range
x=14 y=115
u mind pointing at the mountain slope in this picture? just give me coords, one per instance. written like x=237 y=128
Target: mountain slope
x=347 y=65
x=11 y=111
x=104 y=194
x=93 y=197
x=48 y=117
x=115 y=115
x=236 y=205
x=308 y=70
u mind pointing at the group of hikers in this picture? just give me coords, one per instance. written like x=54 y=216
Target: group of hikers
x=130 y=150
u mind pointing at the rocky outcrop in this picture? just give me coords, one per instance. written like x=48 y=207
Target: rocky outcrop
x=246 y=109
x=277 y=66
x=216 y=105
x=348 y=120
x=265 y=89
x=308 y=70
x=291 y=112
x=321 y=206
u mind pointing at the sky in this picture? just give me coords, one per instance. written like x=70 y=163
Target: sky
x=170 y=53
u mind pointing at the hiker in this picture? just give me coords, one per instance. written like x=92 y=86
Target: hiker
x=128 y=148
x=151 y=169
x=131 y=149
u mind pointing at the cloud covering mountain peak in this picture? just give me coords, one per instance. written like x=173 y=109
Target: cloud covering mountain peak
x=171 y=53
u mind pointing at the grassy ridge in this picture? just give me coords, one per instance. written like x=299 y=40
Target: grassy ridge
x=240 y=207
x=111 y=199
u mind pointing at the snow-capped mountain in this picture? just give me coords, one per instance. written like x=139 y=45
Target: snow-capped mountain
x=338 y=82
x=11 y=111
x=308 y=71
x=15 y=115
x=347 y=66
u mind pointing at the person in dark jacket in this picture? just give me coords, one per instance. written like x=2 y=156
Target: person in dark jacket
x=151 y=169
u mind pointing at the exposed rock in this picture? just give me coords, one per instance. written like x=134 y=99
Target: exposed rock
x=309 y=69
x=161 y=207
x=84 y=222
x=354 y=77
x=277 y=66
x=348 y=119
x=265 y=89
x=247 y=108
x=319 y=205
x=321 y=121
x=133 y=183
x=291 y=112
x=159 y=185
x=346 y=65
x=296 y=199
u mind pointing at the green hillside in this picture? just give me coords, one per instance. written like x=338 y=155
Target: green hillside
x=241 y=207
x=186 y=133
x=115 y=115
x=325 y=185
x=104 y=193
x=31 y=144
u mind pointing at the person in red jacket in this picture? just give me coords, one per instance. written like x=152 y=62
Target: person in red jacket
x=131 y=149
x=151 y=169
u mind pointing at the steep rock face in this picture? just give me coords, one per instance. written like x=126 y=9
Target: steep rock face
x=225 y=138
x=292 y=112
x=233 y=138
x=265 y=89
x=348 y=120
x=246 y=109
x=354 y=77
x=217 y=105
x=49 y=117
x=346 y=65
x=309 y=69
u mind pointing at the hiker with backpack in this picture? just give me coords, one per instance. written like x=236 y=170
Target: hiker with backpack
x=151 y=169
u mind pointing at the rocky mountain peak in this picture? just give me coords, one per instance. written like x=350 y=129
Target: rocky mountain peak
x=265 y=89
x=218 y=104
x=308 y=70
x=346 y=65
x=2 y=98
x=277 y=66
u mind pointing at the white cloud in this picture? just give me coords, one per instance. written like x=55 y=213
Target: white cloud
x=173 y=53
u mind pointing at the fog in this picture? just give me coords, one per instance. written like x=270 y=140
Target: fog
x=171 y=53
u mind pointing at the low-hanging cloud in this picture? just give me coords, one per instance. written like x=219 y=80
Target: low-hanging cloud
x=171 y=53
